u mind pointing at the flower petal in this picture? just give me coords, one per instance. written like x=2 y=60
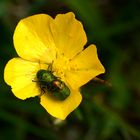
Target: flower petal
x=19 y=74
x=33 y=39
x=60 y=109
x=68 y=34
x=85 y=66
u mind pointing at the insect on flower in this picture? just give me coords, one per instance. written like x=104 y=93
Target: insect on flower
x=52 y=84
x=40 y=40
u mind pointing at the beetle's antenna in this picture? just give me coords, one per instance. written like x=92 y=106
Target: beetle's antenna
x=50 y=66
x=39 y=64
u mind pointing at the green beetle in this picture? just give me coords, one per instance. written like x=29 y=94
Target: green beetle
x=52 y=84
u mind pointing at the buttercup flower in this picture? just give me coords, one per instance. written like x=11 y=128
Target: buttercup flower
x=41 y=41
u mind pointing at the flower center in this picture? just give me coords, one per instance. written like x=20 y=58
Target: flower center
x=60 y=65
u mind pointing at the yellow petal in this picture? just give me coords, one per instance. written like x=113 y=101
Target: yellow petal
x=85 y=66
x=61 y=109
x=33 y=40
x=68 y=34
x=19 y=74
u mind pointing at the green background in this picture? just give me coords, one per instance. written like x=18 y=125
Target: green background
x=106 y=112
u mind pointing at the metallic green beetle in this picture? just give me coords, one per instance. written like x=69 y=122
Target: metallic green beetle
x=52 y=84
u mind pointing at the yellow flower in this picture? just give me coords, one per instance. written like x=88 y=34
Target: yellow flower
x=41 y=40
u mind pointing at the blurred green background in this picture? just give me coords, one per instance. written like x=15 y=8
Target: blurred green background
x=106 y=112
